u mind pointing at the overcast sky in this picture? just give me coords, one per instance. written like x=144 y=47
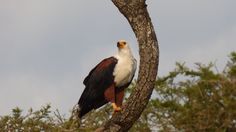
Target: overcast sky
x=47 y=47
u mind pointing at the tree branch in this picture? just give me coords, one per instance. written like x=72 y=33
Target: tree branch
x=137 y=15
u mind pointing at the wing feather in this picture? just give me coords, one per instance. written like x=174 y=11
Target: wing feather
x=97 y=81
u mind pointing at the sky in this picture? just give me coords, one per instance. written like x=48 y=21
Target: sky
x=47 y=47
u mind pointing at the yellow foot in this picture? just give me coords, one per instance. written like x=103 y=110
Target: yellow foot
x=115 y=107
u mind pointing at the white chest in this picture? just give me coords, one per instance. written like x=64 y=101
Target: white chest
x=124 y=71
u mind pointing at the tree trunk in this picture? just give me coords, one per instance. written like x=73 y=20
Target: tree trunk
x=136 y=13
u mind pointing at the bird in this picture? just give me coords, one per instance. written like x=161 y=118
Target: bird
x=107 y=81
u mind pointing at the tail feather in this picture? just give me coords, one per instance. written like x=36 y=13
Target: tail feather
x=84 y=110
x=85 y=107
x=90 y=99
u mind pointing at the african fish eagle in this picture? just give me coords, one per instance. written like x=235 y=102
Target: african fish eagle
x=107 y=81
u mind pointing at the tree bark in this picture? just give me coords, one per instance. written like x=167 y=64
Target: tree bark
x=137 y=15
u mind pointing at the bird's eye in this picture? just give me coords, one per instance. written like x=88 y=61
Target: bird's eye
x=124 y=43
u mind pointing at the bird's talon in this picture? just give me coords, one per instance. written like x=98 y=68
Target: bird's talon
x=117 y=109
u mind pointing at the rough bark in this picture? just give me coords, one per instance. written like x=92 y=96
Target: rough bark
x=137 y=15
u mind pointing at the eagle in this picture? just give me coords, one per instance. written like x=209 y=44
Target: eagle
x=107 y=80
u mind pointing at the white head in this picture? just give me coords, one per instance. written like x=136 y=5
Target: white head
x=123 y=48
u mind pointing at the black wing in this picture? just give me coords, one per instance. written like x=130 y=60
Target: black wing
x=98 y=80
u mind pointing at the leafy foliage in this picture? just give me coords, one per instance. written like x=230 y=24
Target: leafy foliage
x=200 y=99
x=204 y=101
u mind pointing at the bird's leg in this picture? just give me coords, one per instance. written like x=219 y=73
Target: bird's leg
x=111 y=97
x=119 y=95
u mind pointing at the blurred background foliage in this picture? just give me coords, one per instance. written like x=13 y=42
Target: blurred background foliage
x=199 y=99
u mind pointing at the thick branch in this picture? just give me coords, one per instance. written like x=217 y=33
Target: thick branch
x=137 y=15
